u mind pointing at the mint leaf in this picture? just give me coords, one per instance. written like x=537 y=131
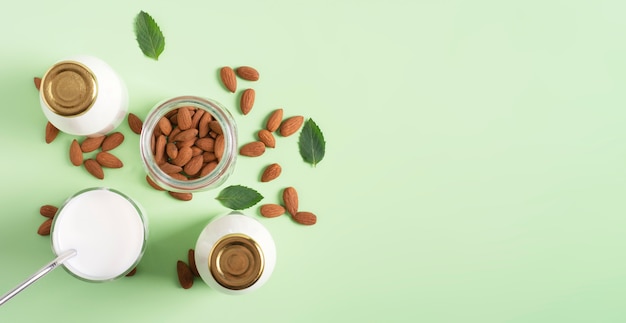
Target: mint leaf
x=312 y=144
x=149 y=36
x=238 y=197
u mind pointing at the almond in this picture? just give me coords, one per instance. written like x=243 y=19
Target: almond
x=252 y=149
x=248 y=73
x=159 y=149
x=186 y=135
x=266 y=137
x=49 y=211
x=219 y=147
x=191 y=258
x=106 y=159
x=208 y=168
x=37 y=81
x=91 y=144
x=272 y=210
x=178 y=176
x=170 y=169
x=206 y=144
x=228 y=78
x=184 y=155
x=112 y=141
x=274 y=120
x=247 y=101
x=44 y=228
x=187 y=143
x=171 y=150
x=215 y=126
x=94 y=168
x=173 y=134
x=132 y=272
x=184 y=118
x=306 y=218
x=76 y=155
x=208 y=157
x=135 y=124
x=193 y=166
x=271 y=172
x=51 y=132
x=195 y=121
x=185 y=275
x=291 y=125
x=290 y=200
x=181 y=196
x=196 y=151
x=203 y=125
x=165 y=125
x=153 y=184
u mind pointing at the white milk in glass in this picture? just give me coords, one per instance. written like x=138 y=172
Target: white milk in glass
x=106 y=229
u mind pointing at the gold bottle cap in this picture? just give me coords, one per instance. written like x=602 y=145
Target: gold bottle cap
x=69 y=88
x=236 y=261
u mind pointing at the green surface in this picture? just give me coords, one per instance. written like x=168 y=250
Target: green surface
x=474 y=170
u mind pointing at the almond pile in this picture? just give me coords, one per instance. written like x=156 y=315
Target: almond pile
x=187 y=272
x=102 y=159
x=187 y=144
x=290 y=205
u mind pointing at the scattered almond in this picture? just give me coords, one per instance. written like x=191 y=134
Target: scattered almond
x=181 y=196
x=274 y=120
x=76 y=155
x=153 y=184
x=290 y=200
x=291 y=125
x=252 y=149
x=266 y=137
x=132 y=272
x=306 y=218
x=247 y=101
x=272 y=210
x=106 y=159
x=91 y=144
x=112 y=141
x=37 y=81
x=228 y=78
x=94 y=168
x=248 y=73
x=49 y=211
x=44 y=228
x=51 y=132
x=191 y=258
x=271 y=172
x=135 y=124
x=185 y=275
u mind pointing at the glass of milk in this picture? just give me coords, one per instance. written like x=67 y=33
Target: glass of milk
x=107 y=229
x=97 y=235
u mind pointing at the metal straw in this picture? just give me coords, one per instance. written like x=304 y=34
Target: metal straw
x=40 y=273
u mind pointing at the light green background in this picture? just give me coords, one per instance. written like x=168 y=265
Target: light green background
x=475 y=166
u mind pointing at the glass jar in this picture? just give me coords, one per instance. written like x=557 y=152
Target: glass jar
x=182 y=183
x=83 y=95
x=235 y=254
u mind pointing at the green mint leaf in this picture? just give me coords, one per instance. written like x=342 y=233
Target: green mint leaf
x=238 y=197
x=312 y=144
x=149 y=36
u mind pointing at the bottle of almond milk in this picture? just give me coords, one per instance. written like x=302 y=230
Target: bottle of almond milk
x=83 y=95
